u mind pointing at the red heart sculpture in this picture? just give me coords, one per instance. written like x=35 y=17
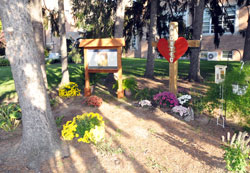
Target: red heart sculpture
x=181 y=46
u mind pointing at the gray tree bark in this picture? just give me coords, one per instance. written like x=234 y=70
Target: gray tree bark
x=246 y=54
x=149 y=73
x=197 y=21
x=119 y=18
x=63 y=43
x=119 y=25
x=39 y=134
x=37 y=23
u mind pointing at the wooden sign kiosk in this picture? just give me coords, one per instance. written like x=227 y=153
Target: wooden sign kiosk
x=103 y=56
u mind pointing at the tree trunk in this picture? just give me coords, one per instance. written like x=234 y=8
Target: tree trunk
x=197 y=22
x=63 y=43
x=119 y=18
x=246 y=55
x=39 y=134
x=37 y=23
x=149 y=73
x=119 y=25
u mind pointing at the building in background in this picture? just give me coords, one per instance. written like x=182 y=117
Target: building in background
x=231 y=45
x=230 y=48
x=71 y=31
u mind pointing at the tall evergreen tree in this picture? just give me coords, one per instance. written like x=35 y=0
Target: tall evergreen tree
x=95 y=18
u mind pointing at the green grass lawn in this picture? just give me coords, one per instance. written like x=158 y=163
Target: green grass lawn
x=131 y=67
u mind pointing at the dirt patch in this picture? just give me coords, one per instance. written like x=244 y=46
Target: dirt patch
x=137 y=140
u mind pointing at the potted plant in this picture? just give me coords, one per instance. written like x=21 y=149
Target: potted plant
x=129 y=86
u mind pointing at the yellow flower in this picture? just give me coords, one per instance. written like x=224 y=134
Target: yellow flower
x=68 y=122
x=68 y=90
x=99 y=117
x=94 y=135
x=86 y=137
x=80 y=140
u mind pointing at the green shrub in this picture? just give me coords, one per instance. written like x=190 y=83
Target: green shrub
x=59 y=121
x=10 y=116
x=238 y=103
x=4 y=62
x=235 y=104
x=52 y=61
x=94 y=78
x=146 y=94
x=198 y=104
x=74 y=56
x=236 y=151
x=46 y=51
x=53 y=102
x=129 y=83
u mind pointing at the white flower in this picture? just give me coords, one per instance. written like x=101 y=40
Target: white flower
x=184 y=98
x=145 y=103
x=183 y=111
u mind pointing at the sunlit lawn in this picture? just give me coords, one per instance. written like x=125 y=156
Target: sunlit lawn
x=131 y=67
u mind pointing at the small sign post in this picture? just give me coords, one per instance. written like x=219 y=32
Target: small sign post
x=103 y=56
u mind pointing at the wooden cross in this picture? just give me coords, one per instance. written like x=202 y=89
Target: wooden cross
x=173 y=66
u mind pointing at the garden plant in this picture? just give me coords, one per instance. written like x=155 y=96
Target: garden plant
x=237 y=151
x=69 y=90
x=93 y=101
x=166 y=99
x=10 y=116
x=88 y=127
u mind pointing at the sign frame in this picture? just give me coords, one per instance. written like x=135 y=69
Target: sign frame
x=105 y=43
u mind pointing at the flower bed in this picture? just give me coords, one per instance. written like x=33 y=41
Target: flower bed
x=88 y=127
x=93 y=101
x=166 y=99
x=69 y=90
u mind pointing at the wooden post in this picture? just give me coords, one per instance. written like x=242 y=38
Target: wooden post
x=87 y=90
x=173 y=66
x=120 y=92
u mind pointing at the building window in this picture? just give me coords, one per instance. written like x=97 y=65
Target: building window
x=203 y=55
x=208 y=27
x=134 y=42
x=206 y=21
x=227 y=54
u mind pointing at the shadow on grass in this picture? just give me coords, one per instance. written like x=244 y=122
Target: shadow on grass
x=8 y=96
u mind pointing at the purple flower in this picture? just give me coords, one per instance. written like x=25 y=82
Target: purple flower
x=166 y=99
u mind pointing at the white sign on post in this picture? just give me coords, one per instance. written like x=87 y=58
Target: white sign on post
x=220 y=73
